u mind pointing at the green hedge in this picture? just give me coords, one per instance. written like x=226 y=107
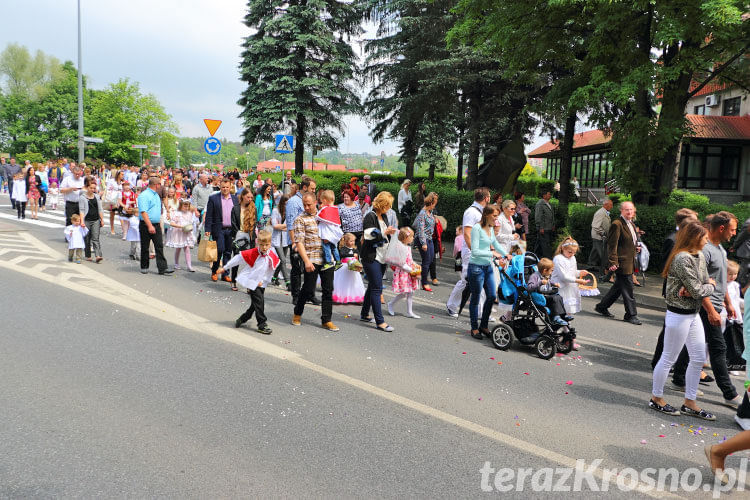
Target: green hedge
x=656 y=221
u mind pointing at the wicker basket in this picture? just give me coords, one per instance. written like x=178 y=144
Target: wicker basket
x=591 y=290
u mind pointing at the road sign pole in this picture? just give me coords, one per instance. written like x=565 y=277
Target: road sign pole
x=141 y=164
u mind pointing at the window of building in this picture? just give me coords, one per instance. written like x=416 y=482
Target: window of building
x=699 y=110
x=710 y=167
x=732 y=106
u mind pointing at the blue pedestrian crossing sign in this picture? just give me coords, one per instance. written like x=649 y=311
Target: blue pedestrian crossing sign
x=284 y=143
x=212 y=146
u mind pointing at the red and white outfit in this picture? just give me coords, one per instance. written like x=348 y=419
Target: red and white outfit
x=348 y=287
x=403 y=282
x=329 y=224
x=255 y=267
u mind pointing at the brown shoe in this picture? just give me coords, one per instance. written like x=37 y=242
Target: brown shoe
x=296 y=320
x=214 y=277
x=227 y=279
x=330 y=327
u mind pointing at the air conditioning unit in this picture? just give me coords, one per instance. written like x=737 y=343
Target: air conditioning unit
x=713 y=100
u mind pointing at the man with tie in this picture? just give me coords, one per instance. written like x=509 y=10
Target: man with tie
x=219 y=226
x=622 y=245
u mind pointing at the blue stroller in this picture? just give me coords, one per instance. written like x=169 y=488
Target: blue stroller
x=530 y=322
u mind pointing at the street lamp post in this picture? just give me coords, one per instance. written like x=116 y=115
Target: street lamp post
x=177 y=149
x=247 y=161
x=80 y=91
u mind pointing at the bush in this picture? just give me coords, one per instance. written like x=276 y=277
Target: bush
x=686 y=199
x=31 y=156
x=534 y=185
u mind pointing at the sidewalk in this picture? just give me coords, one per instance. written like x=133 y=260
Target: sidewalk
x=648 y=296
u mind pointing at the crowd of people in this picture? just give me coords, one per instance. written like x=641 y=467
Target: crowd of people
x=295 y=236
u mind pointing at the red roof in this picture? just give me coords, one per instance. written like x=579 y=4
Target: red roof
x=270 y=166
x=710 y=88
x=582 y=140
x=732 y=128
x=735 y=128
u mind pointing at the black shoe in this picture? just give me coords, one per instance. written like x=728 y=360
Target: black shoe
x=633 y=320
x=667 y=408
x=314 y=301
x=288 y=287
x=238 y=323
x=706 y=380
x=166 y=272
x=697 y=413
x=477 y=335
x=568 y=317
x=265 y=330
x=603 y=311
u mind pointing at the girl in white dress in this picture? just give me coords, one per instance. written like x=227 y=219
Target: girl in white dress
x=181 y=233
x=566 y=273
x=348 y=287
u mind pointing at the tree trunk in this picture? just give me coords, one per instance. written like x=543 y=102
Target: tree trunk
x=410 y=149
x=461 y=145
x=431 y=171
x=299 y=147
x=675 y=95
x=473 y=138
x=566 y=162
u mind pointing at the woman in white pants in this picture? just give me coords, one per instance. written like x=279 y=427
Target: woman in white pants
x=687 y=285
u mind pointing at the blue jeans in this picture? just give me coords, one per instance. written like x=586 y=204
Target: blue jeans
x=374 y=272
x=481 y=277
x=330 y=252
x=428 y=257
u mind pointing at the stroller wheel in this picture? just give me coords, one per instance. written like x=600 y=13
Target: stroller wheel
x=545 y=347
x=502 y=336
x=564 y=344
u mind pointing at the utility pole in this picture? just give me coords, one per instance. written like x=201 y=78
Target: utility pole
x=81 y=143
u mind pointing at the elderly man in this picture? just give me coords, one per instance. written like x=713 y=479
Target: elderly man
x=309 y=247
x=622 y=243
x=150 y=208
x=599 y=229
x=544 y=217
x=219 y=224
x=70 y=188
x=287 y=183
x=368 y=187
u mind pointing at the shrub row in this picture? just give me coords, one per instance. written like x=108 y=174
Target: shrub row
x=656 y=221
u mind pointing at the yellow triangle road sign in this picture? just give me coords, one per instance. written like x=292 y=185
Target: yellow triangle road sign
x=212 y=125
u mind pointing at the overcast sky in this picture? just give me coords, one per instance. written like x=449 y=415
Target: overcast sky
x=186 y=52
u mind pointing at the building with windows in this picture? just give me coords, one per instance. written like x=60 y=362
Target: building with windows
x=714 y=160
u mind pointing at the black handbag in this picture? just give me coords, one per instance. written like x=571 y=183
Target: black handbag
x=735 y=340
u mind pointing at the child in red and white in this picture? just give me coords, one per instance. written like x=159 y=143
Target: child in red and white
x=405 y=274
x=329 y=229
x=127 y=201
x=256 y=270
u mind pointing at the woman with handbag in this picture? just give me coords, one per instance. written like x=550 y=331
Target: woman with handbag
x=424 y=228
x=377 y=235
x=243 y=228
x=264 y=205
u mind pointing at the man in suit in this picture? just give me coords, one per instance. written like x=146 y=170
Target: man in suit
x=599 y=229
x=368 y=187
x=219 y=225
x=621 y=250
x=544 y=217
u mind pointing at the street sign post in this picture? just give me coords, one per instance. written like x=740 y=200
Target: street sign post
x=212 y=125
x=141 y=147
x=212 y=146
x=284 y=144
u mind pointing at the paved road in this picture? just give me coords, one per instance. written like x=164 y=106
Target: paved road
x=119 y=384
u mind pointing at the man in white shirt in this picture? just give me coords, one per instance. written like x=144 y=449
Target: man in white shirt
x=472 y=216
x=70 y=188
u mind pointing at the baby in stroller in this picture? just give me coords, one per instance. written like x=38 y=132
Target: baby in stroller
x=539 y=282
